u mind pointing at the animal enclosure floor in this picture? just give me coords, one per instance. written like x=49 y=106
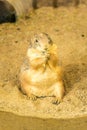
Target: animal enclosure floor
x=68 y=29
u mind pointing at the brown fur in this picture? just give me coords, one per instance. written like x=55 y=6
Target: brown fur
x=42 y=76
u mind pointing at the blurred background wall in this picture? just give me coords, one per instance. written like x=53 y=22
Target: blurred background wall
x=23 y=6
x=10 y=9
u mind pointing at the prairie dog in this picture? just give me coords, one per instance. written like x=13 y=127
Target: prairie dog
x=41 y=76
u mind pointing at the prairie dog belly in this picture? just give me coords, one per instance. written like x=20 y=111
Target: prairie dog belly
x=43 y=80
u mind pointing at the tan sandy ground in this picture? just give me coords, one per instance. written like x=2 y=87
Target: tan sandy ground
x=68 y=29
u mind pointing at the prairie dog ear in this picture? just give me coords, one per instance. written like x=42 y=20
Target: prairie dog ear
x=47 y=37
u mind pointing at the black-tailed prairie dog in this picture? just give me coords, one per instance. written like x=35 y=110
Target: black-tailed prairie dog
x=41 y=76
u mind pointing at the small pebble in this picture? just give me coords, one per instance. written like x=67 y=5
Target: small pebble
x=83 y=35
x=18 y=28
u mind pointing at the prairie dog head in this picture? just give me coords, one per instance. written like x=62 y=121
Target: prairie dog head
x=42 y=50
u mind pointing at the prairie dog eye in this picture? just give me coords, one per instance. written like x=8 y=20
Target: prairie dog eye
x=36 y=40
x=36 y=43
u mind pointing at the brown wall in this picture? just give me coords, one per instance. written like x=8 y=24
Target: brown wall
x=23 y=6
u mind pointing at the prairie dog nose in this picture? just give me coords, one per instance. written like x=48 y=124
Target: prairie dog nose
x=45 y=49
x=45 y=53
